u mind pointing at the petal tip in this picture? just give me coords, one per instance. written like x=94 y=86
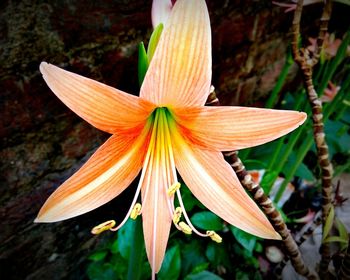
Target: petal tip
x=276 y=236
x=42 y=66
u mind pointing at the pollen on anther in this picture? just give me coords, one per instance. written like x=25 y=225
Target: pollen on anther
x=136 y=211
x=103 y=227
x=177 y=215
x=214 y=236
x=173 y=188
x=185 y=228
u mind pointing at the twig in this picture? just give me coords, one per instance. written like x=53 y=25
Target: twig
x=267 y=206
x=306 y=63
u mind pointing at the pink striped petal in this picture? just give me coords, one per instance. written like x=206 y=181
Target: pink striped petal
x=104 y=176
x=156 y=203
x=233 y=128
x=214 y=183
x=104 y=107
x=180 y=70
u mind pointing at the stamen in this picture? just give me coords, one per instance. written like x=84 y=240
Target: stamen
x=185 y=228
x=214 y=236
x=171 y=191
x=103 y=227
x=136 y=211
x=147 y=163
x=177 y=215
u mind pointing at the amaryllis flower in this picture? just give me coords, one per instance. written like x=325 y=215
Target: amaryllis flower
x=330 y=45
x=167 y=129
x=330 y=92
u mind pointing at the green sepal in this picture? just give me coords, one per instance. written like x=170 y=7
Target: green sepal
x=153 y=41
x=142 y=63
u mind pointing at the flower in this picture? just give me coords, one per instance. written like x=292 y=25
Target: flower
x=330 y=45
x=164 y=130
x=330 y=92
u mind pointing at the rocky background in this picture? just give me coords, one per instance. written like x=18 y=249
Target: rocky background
x=43 y=143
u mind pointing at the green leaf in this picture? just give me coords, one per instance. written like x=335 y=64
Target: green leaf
x=188 y=199
x=192 y=255
x=98 y=256
x=199 y=268
x=204 y=275
x=253 y=164
x=217 y=254
x=101 y=271
x=207 y=220
x=304 y=172
x=171 y=266
x=343 y=232
x=136 y=250
x=268 y=180
x=125 y=234
x=328 y=224
x=247 y=240
x=335 y=239
x=153 y=41
x=142 y=63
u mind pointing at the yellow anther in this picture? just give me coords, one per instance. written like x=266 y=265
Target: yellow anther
x=214 y=236
x=136 y=211
x=185 y=228
x=103 y=227
x=173 y=188
x=177 y=215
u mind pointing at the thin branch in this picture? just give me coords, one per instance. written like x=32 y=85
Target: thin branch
x=326 y=15
x=306 y=63
x=267 y=206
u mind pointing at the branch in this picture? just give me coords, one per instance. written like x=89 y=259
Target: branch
x=306 y=63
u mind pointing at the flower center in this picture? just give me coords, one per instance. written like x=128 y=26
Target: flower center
x=162 y=131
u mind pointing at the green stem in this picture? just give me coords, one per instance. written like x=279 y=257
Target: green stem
x=335 y=63
x=282 y=158
x=135 y=261
x=320 y=70
x=276 y=153
x=271 y=102
x=334 y=104
x=300 y=156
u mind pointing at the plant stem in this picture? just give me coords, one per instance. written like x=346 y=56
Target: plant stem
x=300 y=157
x=306 y=64
x=341 y=53
x=271 y=102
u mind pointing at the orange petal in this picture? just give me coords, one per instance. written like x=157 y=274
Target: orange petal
x=233 y=128
x=214 y=183
x=104 y=176
x=155 y=209
x=104 y=107
x=180 y=70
